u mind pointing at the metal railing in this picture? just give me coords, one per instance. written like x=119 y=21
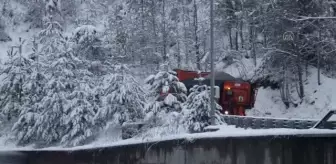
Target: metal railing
x=130 y=130
x=269 y=123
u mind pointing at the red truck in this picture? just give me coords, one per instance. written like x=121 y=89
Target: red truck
x=233 y=94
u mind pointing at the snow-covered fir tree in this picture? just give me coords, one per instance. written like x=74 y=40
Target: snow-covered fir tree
x=167 y=94
x=15 y=72
x=124 y=98
x=78 y=119
x=52 y=39
x=79 y=115
x=60 y=66
x=51 y=124
x=197 y=109
x=34 y=90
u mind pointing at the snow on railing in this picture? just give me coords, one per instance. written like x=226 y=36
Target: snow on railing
x=248 y=122
x=268 y=123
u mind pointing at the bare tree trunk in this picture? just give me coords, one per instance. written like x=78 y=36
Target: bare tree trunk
x=230 y=38
x=237 y=36
x=20 y=72
x=284 y=87
x=179 y=60
x=319 y=62
x=205 y=65
x=186 y=47
x=142 y=41
x=142 y=16
x=164 y=33
x=263 y=26
x=196 y=44
x=154 y=31
x=252 y=42
x=307 y=72
x=241 y=34
x=299 y=73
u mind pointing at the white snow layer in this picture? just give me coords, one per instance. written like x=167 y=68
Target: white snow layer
x=223 y=132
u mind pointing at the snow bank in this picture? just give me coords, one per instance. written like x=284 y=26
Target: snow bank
x=224 y=132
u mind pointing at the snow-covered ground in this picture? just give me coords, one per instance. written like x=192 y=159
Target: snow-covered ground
x=224 y=132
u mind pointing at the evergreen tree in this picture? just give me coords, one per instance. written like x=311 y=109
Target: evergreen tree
x=79 y=115
x=167 y=92
x=24 y=129
x=11 y=92
x=124 y=98
x=197 y=109
x=78 y=119
x=60 y=67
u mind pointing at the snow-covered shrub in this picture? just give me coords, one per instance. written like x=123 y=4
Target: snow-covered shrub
x=85 y=34
x=170 y=125
x=88 y=43
x=53 y=5
x=197 y=109
x=124 y=98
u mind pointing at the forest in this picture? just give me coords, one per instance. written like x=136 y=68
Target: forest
x=85 y=64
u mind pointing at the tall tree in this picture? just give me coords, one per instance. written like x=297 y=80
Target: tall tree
x=124 y=98
x=33 y=88
x=15 y=72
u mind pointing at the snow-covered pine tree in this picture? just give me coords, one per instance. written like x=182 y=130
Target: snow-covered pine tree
x=79 y=117
x=197 y=109
x=33 y=88
x=51 y=125
x=89 y=49
x=124 y=98
x=52 y=39
x=15 y=73
x=167 y=94
x=60 y=67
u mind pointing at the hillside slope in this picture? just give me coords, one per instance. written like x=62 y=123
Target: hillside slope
x=317 y=102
